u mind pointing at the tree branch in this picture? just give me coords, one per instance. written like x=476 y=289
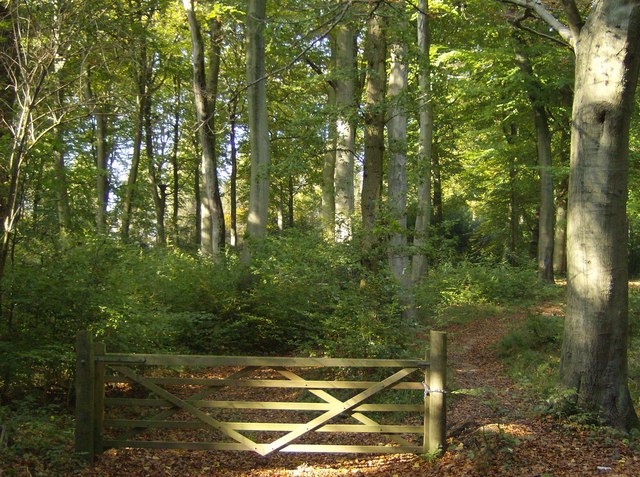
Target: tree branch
x=546 y=16
x=573 y=16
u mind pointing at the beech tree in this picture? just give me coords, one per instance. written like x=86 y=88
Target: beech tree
x=423 y=215
x=345 y=65
x=594 y=351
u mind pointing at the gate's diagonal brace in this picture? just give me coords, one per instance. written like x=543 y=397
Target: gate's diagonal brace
x=327 y=397
x=202 y=416
x=196 y=397
x=338 y=409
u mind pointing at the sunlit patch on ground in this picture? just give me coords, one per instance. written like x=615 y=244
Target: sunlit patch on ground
x=513 y=430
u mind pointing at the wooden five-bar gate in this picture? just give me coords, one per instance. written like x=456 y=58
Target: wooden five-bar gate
x=124 y=400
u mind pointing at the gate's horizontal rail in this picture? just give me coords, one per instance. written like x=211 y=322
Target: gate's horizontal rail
x=199 y=360
x=232 y=446
x=280 y=405
x=192 y=398
x=264 y=426
x=264 y=383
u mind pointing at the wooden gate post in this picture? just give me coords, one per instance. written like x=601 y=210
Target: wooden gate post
x=85 y=395
x=436 y=387
x=98 y=398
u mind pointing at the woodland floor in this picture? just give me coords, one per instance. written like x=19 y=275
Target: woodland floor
x=495 y=432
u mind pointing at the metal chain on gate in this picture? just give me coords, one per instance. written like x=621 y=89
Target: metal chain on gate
x=428 y=391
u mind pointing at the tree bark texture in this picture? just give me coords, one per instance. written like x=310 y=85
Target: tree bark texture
x=594 y=353
x=258 y=120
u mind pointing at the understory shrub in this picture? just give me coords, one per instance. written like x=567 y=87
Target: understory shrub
x=38 y=441
x=300 y=295
x=450 y=288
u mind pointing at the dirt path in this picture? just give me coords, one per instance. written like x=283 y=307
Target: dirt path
x=492 y=432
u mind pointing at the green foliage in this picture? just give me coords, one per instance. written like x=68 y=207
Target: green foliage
x=634 y=342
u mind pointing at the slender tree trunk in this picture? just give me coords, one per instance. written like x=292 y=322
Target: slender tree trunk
x=175 y=216
x=127 y=206
x=419 y=263
x=328 y=211
x=158 y=189
x=436 y=177
x=213 y=77
x=560 y=234
x=258 y=120
x=7 y=103
x=511 y=251
x=594 y=352
x=205 y=92
x=61 y=187
x=511 y=247
x=291 y=193
x=545 y=235
x=196 y=194
x=101 y=157
x=374 y=119
x=543 y=144
x=233 y=180
x=345 y=131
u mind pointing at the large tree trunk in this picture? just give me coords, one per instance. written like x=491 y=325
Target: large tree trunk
x=594 y=353
x=423 y=216
x=345 y=131
x=397 y=137
x=374 y=119
x=258 y=121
